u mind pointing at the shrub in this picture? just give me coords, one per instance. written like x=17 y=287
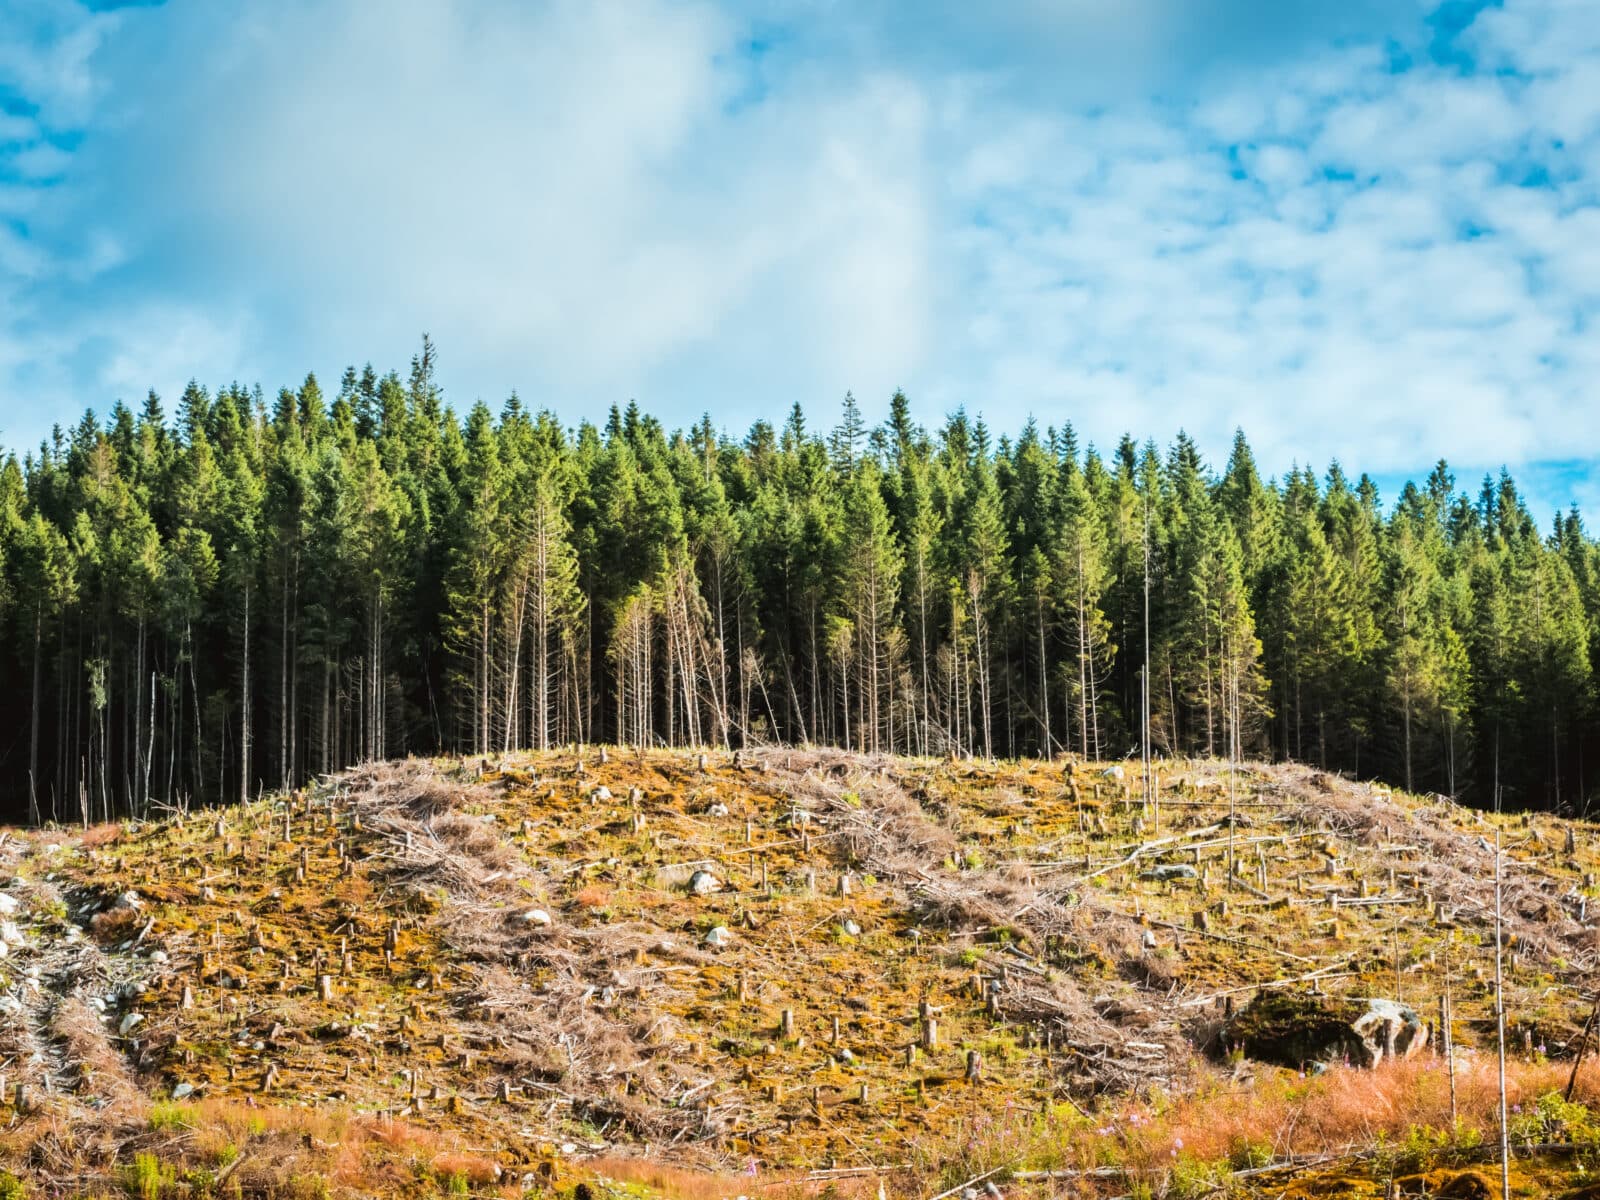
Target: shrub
x=147 y=1178
x=170 y=1115
x=1551 y=1118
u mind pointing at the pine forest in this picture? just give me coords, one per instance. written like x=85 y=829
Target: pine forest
x=253 y=590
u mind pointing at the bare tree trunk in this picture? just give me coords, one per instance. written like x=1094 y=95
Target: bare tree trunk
x=33 y=729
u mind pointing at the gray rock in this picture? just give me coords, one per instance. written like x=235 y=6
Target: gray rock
x=703 y=883
x=1168 y=871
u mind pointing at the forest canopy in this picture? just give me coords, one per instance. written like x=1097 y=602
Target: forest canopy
x=195 y=609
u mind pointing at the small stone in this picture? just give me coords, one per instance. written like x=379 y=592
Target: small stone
x=600 y=793
x=718 y=809
x=536 y=916
x=129 y=1023
x=158 y=956
x=8 y=905
x=183 y=1091
x=849 y=928
x=718 y=937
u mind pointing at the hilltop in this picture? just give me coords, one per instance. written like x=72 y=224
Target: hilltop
x=704 y=972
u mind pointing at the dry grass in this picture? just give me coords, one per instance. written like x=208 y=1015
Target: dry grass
x=1278 y=1115
x=678 y=1183
x=97 y=837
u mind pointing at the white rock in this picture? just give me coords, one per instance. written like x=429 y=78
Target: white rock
x=8 y=905
x=4 y=949
x=719 y=809
x=703 y=883
x=718 y=937
x=600 y=793
x=158 y=956
x=10 y=934
x=1114 y=771
x=536 y=916
x=10 y=1005
x=129 y=1023
x=183 y=1091
x=130 y=900
x=850 y=928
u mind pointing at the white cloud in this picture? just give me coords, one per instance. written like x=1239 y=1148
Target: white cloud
x=591 y=202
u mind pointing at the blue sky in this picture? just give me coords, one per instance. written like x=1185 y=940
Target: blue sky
x=1366 y=230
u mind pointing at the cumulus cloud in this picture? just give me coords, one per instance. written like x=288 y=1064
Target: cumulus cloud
x=1364 y=231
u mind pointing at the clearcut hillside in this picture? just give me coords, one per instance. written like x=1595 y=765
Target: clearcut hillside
x=703 y=973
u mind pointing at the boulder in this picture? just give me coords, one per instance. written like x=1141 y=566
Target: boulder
x=703 y=883
x=1296 y=1030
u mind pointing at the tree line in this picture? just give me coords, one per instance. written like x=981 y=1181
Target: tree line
x=195 y=609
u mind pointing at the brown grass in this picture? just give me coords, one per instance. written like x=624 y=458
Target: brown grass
x=680 y=1183
x=115 y=925
x=1282 y=1114
x=474 y=1168
x=97 y=836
